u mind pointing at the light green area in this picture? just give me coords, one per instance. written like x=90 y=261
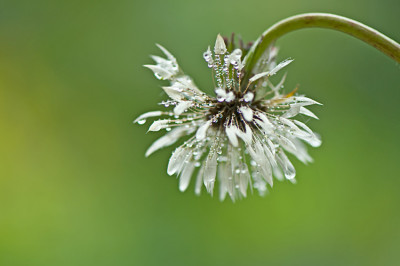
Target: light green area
x=75 y=188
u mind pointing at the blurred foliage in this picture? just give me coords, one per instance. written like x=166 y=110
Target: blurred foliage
x=75 y=188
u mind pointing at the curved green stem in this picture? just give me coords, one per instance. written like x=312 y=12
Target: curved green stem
x=328 y=21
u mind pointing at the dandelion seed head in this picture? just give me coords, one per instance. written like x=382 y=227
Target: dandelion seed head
x=237 y=138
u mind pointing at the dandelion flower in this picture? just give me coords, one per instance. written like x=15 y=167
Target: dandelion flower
x=238 y=138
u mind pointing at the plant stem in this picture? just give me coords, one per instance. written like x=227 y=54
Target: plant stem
x=328 y=21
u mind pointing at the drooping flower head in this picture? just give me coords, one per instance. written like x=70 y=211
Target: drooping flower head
x=237 y=138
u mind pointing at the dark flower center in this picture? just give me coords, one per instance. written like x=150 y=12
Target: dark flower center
x=222 y=113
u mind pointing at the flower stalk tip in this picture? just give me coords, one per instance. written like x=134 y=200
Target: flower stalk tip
x=328 y=21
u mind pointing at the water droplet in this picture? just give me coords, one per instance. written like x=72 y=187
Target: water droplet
x=248 y=97
x=220 y=99
x=141 y=122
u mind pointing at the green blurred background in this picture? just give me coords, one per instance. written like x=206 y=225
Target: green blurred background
x=75 y=188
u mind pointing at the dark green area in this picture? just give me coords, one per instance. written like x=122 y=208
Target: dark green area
x=75 y=188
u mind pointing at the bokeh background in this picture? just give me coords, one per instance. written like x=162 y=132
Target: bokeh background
x=75 y=188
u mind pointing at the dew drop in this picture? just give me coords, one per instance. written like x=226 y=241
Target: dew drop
x=248 y=97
